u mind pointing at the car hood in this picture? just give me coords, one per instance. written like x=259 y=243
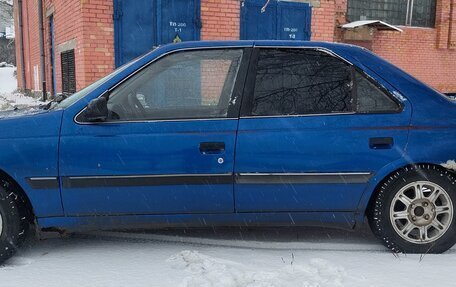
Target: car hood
x=28 y=123
x=20 y=112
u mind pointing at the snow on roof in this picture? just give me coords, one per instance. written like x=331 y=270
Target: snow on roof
x=380 y=25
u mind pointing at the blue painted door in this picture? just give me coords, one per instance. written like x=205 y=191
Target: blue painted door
x=168 y=147
x=134 y=29
x=179 y=20
x=304 y=143
x=279 y=21
x=147 y=168
x=142 y=24
x=256 y=25
x=294 y=21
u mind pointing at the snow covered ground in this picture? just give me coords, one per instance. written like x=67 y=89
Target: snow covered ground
x=268 y=257
x=9 y=99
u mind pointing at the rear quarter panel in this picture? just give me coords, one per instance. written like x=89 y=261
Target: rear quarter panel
x=432 y=130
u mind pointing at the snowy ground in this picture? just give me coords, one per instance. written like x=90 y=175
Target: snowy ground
x=272 y=257
x=9 y=99
x=224 y=258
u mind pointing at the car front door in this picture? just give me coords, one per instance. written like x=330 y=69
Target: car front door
x=167 y=146
x=313 y=131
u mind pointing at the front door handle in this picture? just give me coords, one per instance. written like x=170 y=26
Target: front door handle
x=212 y=147
x=381 y=143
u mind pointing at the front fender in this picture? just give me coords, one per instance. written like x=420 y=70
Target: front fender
x=29 y=147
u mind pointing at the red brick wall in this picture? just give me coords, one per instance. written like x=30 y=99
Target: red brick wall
x=429 y=54
x=415 y=50
x=98 y=39
x=452 y=31
x=88 y=23
x=30 y=45
x=67 y=27
x=220 y=19
x=323 y=20
x=213 y=76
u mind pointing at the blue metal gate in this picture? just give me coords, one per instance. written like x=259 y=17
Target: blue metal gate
x=142 y=24
x=179 y=20
x=280 y=21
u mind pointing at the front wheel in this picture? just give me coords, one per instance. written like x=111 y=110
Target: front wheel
x=413 y=212
x=12 y=223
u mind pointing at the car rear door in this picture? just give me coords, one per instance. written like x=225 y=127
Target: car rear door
x=313 y=131
x=168 y=146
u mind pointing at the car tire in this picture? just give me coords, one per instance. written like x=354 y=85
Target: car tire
x=413 y=210
x=13 y=223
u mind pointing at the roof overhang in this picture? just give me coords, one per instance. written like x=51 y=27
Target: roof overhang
x=379 y=25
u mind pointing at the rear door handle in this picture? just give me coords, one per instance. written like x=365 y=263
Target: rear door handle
x=381 y=143
x=212 y=147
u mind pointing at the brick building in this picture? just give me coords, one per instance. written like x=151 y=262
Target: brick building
x=86 y=39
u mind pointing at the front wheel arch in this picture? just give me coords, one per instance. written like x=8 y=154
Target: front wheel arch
x=25 y=203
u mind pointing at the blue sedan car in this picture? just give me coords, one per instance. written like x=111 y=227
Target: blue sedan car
x=244 y=133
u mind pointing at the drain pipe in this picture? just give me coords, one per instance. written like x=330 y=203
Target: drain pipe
x=22 y=54
x=42 y=55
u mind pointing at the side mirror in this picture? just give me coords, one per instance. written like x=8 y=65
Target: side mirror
x=97 y=110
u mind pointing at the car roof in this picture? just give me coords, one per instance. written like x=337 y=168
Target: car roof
x=259 y=43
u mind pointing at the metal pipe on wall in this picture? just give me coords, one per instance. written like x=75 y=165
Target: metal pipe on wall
x=22 y=55
x=42 y=53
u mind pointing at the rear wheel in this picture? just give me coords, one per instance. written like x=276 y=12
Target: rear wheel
x=13 y=224
x=413 y=212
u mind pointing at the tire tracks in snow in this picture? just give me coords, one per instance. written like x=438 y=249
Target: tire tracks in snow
x=303 y=245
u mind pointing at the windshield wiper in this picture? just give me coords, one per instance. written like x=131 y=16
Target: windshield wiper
x=58 y=99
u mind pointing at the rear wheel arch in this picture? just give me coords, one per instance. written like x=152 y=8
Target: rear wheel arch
x=395 y=174
x=394 y=210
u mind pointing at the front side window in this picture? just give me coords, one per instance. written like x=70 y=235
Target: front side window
x=420 y=13
x=305 y=82
x=184 y=85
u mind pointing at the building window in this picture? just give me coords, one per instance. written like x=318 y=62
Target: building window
x=68 y=72
x=420 y=13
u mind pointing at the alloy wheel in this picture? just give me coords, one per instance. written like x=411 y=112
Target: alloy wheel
x=421 y=212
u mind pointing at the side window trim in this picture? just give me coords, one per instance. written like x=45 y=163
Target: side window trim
x=249 y=87
x=247 y=103
x=235 y=101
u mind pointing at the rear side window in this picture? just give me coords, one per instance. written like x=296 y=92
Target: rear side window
x=295 y=82
x=371 y=98
x=305 y=82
